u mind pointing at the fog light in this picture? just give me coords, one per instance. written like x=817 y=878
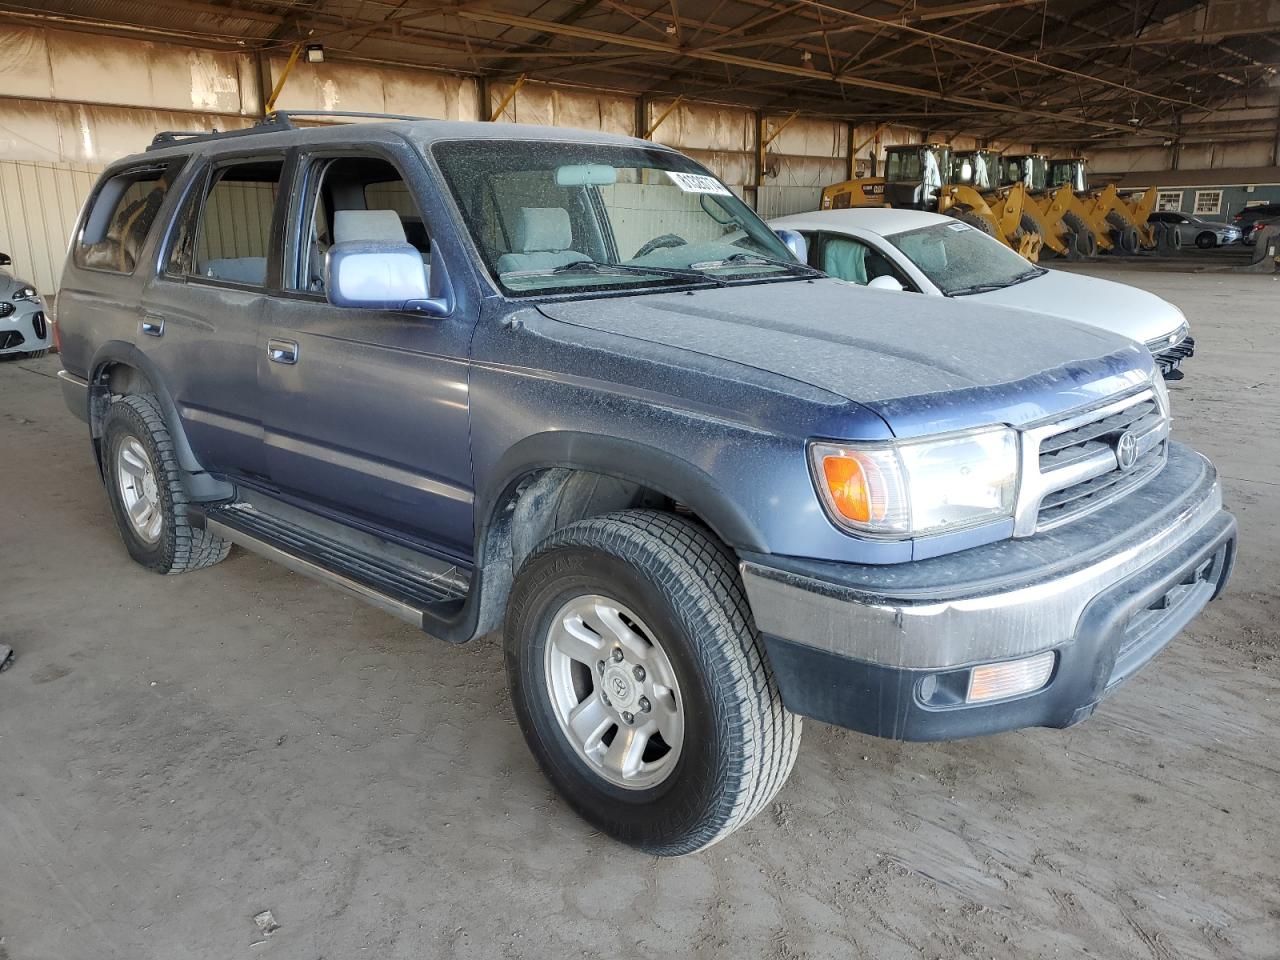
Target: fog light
x=999 y=680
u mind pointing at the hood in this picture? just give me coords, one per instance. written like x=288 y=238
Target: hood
x=924 y=364
x=1117 y=307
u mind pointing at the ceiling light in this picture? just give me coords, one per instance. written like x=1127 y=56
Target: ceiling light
x=314 y=52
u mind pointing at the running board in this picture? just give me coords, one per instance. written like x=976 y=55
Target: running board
x=406 y=584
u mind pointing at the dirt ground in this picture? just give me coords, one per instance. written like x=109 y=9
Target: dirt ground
x=178 y=754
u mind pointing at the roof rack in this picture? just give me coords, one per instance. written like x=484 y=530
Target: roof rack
x=272 y=123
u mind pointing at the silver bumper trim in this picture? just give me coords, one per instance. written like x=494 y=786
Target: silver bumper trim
x=997 y=625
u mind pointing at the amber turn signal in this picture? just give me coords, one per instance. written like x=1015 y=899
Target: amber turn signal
x=856 y=488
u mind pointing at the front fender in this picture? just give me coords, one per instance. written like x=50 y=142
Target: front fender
x=628 y=460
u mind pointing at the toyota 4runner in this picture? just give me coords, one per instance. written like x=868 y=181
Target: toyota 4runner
x=568 y=386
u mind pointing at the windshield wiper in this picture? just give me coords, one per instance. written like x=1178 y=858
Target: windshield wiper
x=594 y=266
x=988 y=287
x=756 y=258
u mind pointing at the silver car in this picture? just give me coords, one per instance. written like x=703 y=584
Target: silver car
x=24 y=326
x=1204 y=233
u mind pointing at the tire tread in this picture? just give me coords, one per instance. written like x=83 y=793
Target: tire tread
x=675 y=552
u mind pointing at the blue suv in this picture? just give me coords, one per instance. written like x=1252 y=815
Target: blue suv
x=567 y=386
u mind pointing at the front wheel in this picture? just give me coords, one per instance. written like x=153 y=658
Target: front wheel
x=641 y=684
x=147 y=495
x=1206 y=241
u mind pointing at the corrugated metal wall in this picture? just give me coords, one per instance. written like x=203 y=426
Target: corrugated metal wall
x=39 y=202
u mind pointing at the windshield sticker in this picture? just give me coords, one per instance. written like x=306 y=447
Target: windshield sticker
x=698 y=183
x=958 y=226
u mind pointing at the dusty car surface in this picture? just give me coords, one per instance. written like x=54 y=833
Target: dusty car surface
x=941 y=256
x=567 y=385
x=24 y=326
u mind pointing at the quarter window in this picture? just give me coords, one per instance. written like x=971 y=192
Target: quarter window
x=121 y=216
x=1208 y=201
x=233 y=238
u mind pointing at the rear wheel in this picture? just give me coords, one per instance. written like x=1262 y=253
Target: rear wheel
x=641 y=684
x=148 y=498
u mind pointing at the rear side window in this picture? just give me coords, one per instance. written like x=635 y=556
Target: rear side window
x=232 y=238
x=121 y=216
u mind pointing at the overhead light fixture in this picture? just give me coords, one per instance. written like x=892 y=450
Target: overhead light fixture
x=314 y=52
x=806 y=56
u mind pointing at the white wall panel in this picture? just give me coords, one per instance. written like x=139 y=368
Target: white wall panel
x=356 y=87
x=559 y=106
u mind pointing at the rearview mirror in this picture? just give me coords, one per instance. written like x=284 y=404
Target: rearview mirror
x=796 y=243
x=386 y=275
x=885 y=282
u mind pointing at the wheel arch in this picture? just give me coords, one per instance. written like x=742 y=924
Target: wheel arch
x=119 y=368
x=549 y=480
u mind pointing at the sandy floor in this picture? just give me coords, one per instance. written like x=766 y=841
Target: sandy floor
x=178 y=754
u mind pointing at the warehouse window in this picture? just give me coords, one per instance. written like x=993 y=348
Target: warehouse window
x=1169 y=200
x=121 y=215
x=1208 y=201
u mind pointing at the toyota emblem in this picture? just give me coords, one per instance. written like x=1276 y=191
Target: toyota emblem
x=1127 y=450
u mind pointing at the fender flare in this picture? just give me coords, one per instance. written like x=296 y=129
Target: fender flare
x=663 y=471
x=118 y=351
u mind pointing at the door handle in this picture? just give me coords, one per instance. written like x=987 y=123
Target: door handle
x=282 y=351
x=152 y=326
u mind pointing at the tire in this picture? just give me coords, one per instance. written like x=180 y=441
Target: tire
x=136 y=443
x=975 y=221
x=675 y=589
x=1206 y=240
x=1086 y=239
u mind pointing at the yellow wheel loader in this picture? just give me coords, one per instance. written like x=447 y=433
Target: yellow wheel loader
x=862 y=192
x=1120 y=223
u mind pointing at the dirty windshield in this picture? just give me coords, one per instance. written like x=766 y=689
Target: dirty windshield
x=563 y=218
x=961 y=260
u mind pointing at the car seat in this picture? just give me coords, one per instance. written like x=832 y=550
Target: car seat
x=542 y=241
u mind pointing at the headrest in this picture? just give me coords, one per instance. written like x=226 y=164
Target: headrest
x=367 y=225
x=543 y=228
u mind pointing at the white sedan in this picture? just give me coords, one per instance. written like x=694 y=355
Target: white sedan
x=938 y=255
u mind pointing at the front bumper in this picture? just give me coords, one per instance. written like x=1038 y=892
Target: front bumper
x=26 y=330
x=888 y=650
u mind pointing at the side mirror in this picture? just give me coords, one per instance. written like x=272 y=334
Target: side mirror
x=885 y=282
x=385 y=275
x=5 y=260
x=796 y=243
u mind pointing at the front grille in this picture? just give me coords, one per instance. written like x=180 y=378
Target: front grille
x=39 y=324
x=1078 y=461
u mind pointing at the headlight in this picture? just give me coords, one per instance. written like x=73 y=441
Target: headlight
x=26 y=293
x=917 y=487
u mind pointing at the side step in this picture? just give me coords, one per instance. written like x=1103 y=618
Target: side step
x=404 y=583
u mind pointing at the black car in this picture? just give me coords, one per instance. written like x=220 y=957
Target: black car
x=1252 y=219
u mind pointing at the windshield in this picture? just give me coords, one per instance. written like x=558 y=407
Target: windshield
x=552 y=218
x=916 y=164
x=961 y=260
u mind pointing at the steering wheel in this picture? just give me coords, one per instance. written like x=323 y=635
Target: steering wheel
x=660 y=243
